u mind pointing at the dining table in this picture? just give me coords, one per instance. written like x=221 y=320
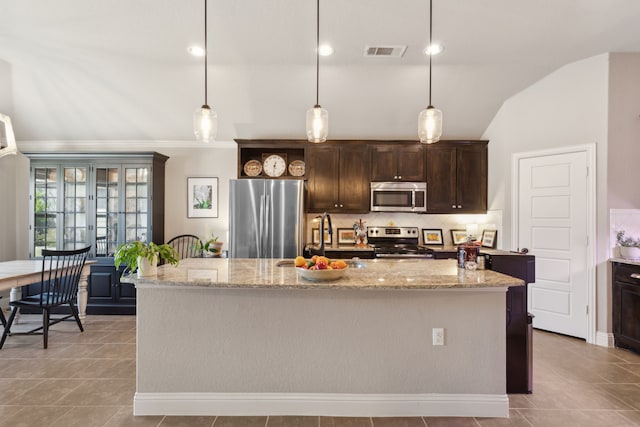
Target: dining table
x=18 y=273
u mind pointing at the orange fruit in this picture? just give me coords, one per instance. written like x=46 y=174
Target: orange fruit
x=322 y=260
x=300 y=261
x=340 y=264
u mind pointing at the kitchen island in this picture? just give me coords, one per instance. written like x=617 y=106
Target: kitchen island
x=248 y=337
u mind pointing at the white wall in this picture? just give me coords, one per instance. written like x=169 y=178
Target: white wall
x=623 y=173
x=567 y=107
x=214 y=161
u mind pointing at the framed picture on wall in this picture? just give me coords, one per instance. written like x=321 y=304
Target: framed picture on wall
x=315 y=237
x=489 y=238
x=346 y=236
x=202 y=197
x=432 y=236
x=458 y=236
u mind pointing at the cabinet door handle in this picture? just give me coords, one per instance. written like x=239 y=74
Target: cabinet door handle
x=335 y=205
x=635 y=276
x=395 y=177
x=459 y=206
x=399 y=176
x=453 y=206
x=341 y=205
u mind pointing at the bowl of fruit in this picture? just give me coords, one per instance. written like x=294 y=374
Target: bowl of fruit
x=319 y=268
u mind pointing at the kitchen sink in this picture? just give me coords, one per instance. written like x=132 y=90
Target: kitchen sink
x=351 y=263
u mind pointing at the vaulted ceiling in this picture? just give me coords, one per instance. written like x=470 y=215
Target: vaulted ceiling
x=119 y=69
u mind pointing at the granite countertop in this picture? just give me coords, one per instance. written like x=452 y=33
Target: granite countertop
x=626 y=261
x=377 y=274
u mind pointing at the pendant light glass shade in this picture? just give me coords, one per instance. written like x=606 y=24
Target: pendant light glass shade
x=205 y=120
x=430 y=125
x=205 y=124
x=317 y=117
x=317 y=124
x=430 y=119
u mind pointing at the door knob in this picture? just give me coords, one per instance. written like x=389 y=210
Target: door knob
x=399 y=176
x=453 y=206
x=459 y=206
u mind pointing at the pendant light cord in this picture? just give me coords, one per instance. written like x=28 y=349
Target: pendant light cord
x=317 y=52
x=430 y=44
x=205 y=53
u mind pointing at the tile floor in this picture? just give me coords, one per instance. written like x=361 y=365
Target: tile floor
x=88 y=379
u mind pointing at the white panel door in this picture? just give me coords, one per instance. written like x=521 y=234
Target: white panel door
x=552 y=224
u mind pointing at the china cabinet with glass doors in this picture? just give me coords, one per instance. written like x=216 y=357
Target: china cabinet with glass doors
x=101 y=200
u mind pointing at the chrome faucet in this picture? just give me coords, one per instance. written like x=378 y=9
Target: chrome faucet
x=320 y=251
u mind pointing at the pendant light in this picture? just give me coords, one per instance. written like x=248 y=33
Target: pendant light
x=205 y=120
x=430 y=119
x=317 y=117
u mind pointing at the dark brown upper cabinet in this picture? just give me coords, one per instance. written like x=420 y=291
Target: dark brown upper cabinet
x=338 y=177
x=457 y=177
x=404 y=161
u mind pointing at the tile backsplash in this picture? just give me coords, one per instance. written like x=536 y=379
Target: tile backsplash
x=623 y=219
x=492 y=220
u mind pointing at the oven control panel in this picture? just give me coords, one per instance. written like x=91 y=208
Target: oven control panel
x=393 y=232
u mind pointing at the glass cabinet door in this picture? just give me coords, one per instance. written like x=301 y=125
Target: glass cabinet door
x=45 y=208
x=107 y=210
x=137 y=213
x=60 y=201
x=75 y=208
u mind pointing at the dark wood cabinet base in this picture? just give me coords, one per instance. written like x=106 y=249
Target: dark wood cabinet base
x=626 y=305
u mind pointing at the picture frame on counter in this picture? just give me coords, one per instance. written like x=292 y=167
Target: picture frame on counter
x=346 y=236
x=458 y=237
x=432 y=236
x=202 y=197
x=489 y=238
x=315 y=237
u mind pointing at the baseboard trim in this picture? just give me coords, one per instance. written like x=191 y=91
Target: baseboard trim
x=322 y=404
x=604 y=339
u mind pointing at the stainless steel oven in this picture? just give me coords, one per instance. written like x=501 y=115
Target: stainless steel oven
x=398 y=196
x=397 y=243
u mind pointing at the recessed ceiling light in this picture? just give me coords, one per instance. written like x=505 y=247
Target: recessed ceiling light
x=195 y=50
x=434 y=49
x=325 y=50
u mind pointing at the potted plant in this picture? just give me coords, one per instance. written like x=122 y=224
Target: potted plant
x=629 y=246
x=210 y=248
x=144 y=257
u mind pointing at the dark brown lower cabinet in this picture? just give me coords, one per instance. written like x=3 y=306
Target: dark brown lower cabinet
x=519 y=326
x=626 y=305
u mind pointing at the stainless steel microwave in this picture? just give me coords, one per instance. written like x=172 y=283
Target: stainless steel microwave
x=398 y=196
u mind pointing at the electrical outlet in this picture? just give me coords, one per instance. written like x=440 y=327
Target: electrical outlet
x=438 y=336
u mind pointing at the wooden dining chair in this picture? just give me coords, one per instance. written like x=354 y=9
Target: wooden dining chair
x=187 y=246
x=61 y=271
x=3 y=319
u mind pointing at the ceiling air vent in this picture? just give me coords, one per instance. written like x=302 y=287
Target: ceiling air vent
x=385 y=51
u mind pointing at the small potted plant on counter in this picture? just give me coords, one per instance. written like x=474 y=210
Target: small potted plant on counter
x=144 y=257
x=629 y=246
x=210 y=248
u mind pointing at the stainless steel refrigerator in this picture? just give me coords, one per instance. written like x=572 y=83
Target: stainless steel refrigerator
x=266 y=218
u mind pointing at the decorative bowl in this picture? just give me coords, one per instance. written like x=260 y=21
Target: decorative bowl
x=321 y=275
